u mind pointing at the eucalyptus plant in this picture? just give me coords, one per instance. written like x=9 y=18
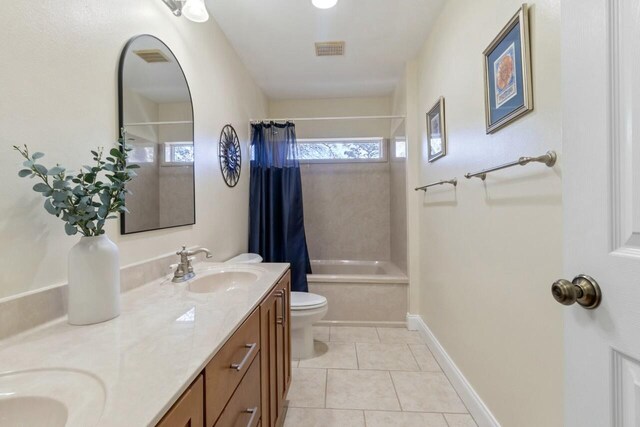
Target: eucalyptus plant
x=86 y=199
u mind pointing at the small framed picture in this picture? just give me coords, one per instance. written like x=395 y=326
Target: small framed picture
x=436 y=132
x=507 y=73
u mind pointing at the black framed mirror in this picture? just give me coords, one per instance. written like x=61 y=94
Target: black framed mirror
x=156 y=114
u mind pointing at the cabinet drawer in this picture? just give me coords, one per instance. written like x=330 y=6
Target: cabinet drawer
x=188 y=410
x=243 y=410
x=229 y=365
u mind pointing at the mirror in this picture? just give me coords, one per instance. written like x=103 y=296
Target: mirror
x=156 y=114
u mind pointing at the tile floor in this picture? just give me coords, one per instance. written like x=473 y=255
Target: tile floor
x=372 y=377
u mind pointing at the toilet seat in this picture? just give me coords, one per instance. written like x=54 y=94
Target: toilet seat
x=306 y=301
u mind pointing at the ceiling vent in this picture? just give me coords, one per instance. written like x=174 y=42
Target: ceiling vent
x=330 y=49
x=152 y=55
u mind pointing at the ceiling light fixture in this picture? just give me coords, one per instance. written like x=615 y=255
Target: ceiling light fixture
x=324 y=4
x=194 y=10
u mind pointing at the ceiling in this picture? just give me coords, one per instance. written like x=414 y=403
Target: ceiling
x=275 y=39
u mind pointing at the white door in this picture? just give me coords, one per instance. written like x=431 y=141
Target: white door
x=601 y=191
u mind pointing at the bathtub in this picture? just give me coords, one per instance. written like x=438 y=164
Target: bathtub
x=361 y=292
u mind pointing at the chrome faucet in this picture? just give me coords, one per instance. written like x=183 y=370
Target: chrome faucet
x=184 y=270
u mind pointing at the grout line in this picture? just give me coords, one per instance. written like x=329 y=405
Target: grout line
x=364 y=417
x=414 y=357
x=395 y=391
x=330 y=328
x=457 y=394
x=326 y=386
x=357 y=359
x=378 y=334
x=446 y=421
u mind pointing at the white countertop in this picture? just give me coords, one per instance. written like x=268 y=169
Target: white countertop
x=150 y=354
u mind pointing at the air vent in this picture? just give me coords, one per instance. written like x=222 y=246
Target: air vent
x=330 y=49
x=152 y=55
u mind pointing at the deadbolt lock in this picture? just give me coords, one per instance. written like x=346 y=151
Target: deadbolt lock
x=582 y=289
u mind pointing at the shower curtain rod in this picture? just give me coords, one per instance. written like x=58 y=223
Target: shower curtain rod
x=309 y=119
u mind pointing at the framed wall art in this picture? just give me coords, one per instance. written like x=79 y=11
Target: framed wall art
x=507 y=73
x=436 y=132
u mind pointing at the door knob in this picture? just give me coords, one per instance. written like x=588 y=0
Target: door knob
x=582 y=289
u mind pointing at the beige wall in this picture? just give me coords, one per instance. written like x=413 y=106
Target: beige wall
x=376 y=106
x=61 y=98
x=489 y=251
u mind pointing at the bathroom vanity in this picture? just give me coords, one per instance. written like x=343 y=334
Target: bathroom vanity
x=213 y=351
x=246 y=382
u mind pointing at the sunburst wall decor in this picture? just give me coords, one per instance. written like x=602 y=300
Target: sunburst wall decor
x=230 y=155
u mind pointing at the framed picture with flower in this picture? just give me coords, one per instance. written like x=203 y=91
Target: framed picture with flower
x=436 y=132
x=507 y=73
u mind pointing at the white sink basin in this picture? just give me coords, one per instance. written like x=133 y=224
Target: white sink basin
x=51 y=398
x=33 y=411
x=225 y=279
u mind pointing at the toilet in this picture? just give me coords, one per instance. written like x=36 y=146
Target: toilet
x=306 y=309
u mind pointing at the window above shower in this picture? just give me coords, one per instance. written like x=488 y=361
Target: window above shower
x=339 y=150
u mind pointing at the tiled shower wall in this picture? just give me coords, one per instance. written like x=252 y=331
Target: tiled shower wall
x=347 y=210
x=349 y=207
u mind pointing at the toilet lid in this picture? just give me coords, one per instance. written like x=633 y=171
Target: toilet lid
x=306 y=300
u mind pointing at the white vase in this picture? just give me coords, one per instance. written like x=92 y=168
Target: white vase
x=94 y=281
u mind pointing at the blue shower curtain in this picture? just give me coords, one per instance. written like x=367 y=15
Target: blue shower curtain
x=276 y=229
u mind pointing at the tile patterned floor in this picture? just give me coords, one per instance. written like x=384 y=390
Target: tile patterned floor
x=372 y=377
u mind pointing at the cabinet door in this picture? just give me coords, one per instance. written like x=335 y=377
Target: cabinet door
x=285 y=346
x=188 y=410
x=268 y=386
x=276 y=355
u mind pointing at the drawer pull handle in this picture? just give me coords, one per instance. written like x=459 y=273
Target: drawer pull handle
x=245 y=359
x=280 y=320
x=254 y=413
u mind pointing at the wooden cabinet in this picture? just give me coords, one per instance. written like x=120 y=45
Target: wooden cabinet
x=189 y=409
x=244 y=409
x=276 y=351
x=245 y=384
x=229 y=366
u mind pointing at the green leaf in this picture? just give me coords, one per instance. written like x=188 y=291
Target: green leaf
x=70 y=229
x=28 y=164
x=59 y=196
x=56 y=170
x=59 y=184
x=41 y=187
x=91 y=225
x=133 y=166
x=41 y=169
x=25 y=173
x=37 y=155
x=50 y=208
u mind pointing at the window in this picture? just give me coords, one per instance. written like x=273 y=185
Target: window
x=141 y=154
x=400 y=151
x=178 y=153
x=337 y=150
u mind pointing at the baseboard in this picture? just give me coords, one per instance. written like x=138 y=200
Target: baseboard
x=373 y=323
x=475 y=405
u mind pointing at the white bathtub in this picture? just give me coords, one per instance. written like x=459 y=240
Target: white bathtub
x=355 y=272
x=361 y=292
